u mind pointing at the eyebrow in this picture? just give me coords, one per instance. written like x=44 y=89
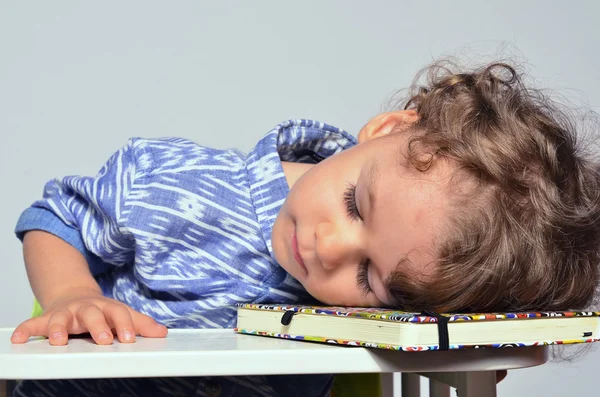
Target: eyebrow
x=372 y=179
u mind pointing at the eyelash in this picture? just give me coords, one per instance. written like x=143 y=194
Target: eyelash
x=350 y=202
x=362 y=276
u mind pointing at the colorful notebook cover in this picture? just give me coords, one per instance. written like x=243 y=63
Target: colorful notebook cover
x=400 y=316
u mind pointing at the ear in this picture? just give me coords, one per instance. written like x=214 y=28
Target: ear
x=385 y=123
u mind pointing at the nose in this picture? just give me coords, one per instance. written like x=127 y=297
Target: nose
x=336 y=247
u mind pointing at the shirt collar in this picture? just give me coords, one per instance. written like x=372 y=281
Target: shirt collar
x=305 y=141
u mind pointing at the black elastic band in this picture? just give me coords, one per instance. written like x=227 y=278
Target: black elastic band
x=442 y=322
x=286 y=319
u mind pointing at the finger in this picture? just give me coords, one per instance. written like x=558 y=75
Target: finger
x=94 y=321
x=146 y=326
x=119 y=318
x=58 y=327
x=37 y=326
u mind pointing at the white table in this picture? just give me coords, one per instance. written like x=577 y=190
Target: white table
x=224 y=352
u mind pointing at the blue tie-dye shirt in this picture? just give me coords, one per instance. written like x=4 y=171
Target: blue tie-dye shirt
x=182 y=232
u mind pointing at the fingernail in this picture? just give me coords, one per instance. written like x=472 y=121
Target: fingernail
x=56 y=335
x=103 y=335
x=17 y=335
x=127 y=335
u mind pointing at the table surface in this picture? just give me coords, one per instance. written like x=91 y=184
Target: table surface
x=225 y=352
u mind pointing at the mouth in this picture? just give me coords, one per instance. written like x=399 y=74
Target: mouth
x=296 y=252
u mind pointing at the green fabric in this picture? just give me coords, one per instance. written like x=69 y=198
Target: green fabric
x=356 y=385
x=344 y=385
x=37 y=309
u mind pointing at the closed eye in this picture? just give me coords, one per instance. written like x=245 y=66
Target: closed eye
x=350 y=202
x=362 y=274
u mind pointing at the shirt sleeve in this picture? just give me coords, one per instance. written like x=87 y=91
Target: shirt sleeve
x=88 y=212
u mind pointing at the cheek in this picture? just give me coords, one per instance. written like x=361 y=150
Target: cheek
x=316 y=197
x=339 y=289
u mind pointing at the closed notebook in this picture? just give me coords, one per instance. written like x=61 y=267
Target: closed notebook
x=397 y=330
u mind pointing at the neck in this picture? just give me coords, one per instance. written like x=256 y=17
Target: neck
x=293 y=171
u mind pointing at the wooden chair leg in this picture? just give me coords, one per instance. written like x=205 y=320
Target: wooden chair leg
x=411 y=385
x=438 y=389
x=476 y=383
x=387 y=384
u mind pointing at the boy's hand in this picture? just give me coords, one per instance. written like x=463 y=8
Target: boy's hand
x=79 y=312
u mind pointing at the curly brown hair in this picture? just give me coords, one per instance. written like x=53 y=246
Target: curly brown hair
x=526 y=236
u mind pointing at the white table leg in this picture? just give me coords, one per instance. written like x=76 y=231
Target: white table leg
x=411 y=385
x=387 y=384
x=438 y=389
x=476 y=384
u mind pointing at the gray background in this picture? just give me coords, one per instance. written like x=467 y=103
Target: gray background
x=78 y=79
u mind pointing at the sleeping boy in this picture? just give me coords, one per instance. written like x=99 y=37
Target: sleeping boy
x=471 y=196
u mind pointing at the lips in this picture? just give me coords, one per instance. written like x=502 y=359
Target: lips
x=296 y=252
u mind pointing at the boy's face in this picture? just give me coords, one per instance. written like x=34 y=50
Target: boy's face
x=341 y=243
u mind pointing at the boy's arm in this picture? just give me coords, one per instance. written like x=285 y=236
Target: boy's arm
x=75 y=231
x=54 y=267
x=72 y=300
x=89 y=212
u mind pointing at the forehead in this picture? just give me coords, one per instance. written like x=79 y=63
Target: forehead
x=408 y=210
